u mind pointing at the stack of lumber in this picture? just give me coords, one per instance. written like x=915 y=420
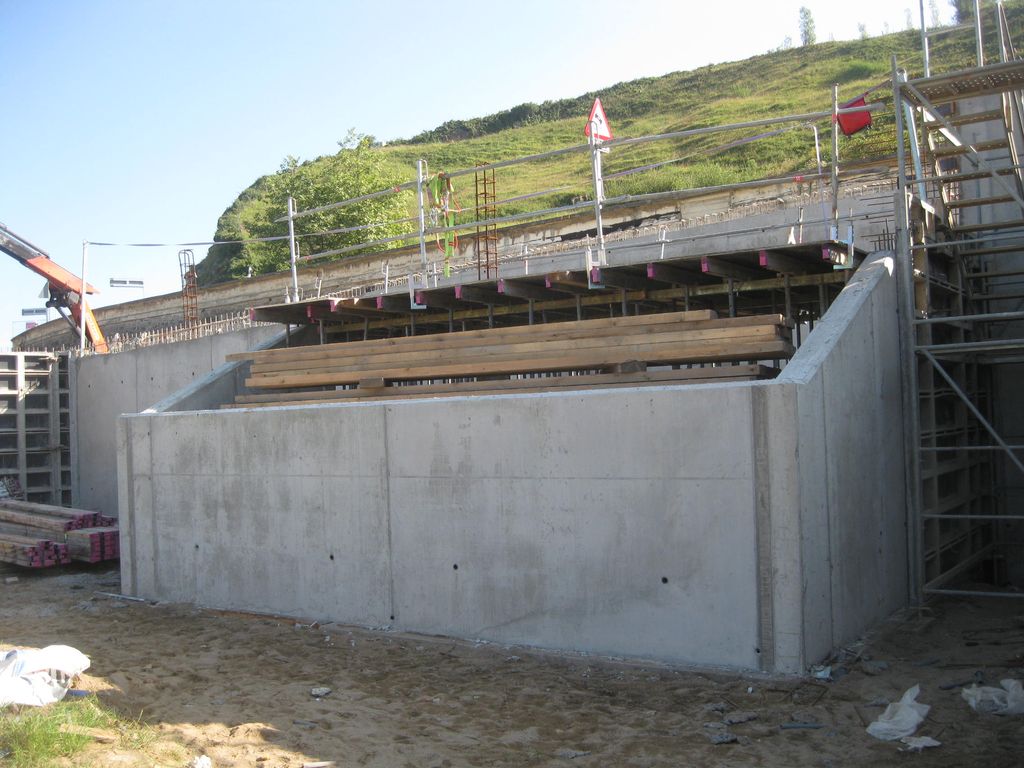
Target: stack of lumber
x=65 y=533
x=92 y=545
x=32 y=552
x=613 y=352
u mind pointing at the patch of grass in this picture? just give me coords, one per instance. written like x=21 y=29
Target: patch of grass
x=36 y=737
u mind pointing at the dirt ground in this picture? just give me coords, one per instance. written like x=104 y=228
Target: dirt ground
x=238 y=689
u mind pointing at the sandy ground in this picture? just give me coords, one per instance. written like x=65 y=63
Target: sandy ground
x=237 y=688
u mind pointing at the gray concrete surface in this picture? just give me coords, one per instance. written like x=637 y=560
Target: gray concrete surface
x=753 y=526
x=105 y=386
x=847 y=422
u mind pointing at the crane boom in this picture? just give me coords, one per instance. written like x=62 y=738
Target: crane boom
x=66 y=289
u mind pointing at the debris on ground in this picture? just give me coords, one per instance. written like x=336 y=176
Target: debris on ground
x=39 y=677
x=735 y=718
x=917 y=743
x=900 y=718
x=822 y=672
x=874 y=668
x=1008 y=700
x=570 y=754
x=241 y=695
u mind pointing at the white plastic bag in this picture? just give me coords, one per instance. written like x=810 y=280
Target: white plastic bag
x=1008 y=700
x=900 y=718
x=37 y=678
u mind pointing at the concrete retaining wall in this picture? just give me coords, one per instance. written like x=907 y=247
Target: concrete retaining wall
x=105 y=386
x=842 y=404
x=741 y=525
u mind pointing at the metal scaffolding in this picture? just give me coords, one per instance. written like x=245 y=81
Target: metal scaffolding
x=189 y=287
x=960 y=243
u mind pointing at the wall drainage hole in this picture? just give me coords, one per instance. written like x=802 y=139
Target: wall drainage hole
x=455 y=567
x=664 y=579
x=332 y=557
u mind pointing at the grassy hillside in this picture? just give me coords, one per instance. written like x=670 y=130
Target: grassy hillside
x=792 y=81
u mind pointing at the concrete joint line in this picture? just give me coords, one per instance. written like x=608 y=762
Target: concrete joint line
x=387 y=512
x=763 y=529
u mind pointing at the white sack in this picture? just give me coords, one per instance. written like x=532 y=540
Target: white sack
x=37 y=678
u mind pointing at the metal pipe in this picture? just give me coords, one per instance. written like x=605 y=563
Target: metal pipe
x=911 y=417
x=357 y=228
x=972 y=593
x=817 y=161
x=595 y=164
x=958 y=448
x=989 y=317
x=972 y=346
x=939 y=31
x=81 y=301
x=977 y=33
x=352 y=200
x=1003 y=32
x=973 y=408
x=915 y=149
x=420 y=173
x=292 y=250
x=1008 y=518
x=700 y=191
x=802 y=118
x=924 y=42
x=708 y=151
x=834 y=231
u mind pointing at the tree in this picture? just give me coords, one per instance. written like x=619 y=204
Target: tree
x=909 y=18
x=807 y=36
x=356 y=169
x=933 y=9
x=862 y=30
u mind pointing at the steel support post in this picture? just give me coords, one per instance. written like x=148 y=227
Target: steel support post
x=595 y=154
x=293 y=251
x=911 y=414
x=81 y=300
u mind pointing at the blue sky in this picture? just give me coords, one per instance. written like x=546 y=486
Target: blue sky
x=142 y=121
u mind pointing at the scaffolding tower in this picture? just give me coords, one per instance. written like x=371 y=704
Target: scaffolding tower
x=960 y=250
x=485 y=242
x=189 y=287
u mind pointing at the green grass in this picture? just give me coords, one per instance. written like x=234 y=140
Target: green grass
x=776 y=84
x=37 y=737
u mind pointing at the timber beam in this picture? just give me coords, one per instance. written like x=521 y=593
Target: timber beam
x=521 y=289
x=664 y=295
x=719 y=267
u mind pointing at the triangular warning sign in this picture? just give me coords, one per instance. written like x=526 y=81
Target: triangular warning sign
x=598 y=123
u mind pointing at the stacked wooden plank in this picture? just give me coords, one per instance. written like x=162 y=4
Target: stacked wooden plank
x=54 y=535
x=613 y=352
x=92 y=545
x=31 y=551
